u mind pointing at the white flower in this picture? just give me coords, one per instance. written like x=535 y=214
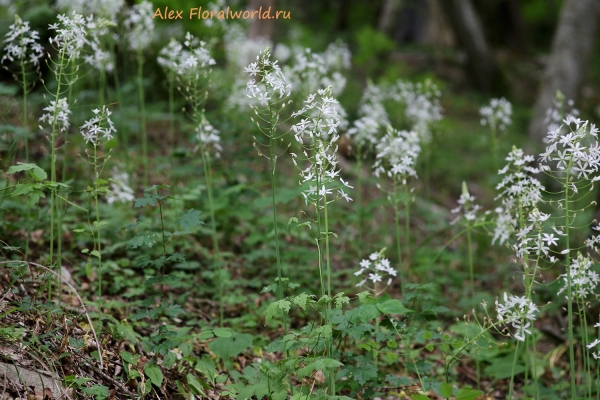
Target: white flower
x=497 y=114
x=98 y=127
x=140 y=25
x=70 y=36
x=397 y=154
x=208 y=136
x=170 y=55
x=584 y=281
x=120 y=189
x=520 y=312
x=57 y=114
x=22 y=44
x=381 y=267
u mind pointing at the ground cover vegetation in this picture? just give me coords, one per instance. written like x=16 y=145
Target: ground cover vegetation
x=199 y=214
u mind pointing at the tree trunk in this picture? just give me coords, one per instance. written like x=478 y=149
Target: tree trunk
x=262 y=27
x=388 y=13
x=468 y=30
x=572 y=48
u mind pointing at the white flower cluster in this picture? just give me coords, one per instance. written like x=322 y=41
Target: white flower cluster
x=22 y=44
x=421 y=102
x=520 y=312
x=100 y=8
x=194 y=58
x=498 y=114
x=119 y=188
x=584 y=281
x=519 y=191
x=366 y=131
x=99 y=127
x=466 y=206
x=239 y=49
x=208 y=136
x=397 y=154
x=531 y=239
x=314 y=70
x=140 y=25
x=378 y=268
x=59 y=109
x=70 y=36
x=100 y=58
x=577 y=150
x=318 y=132
x=168 y=57
x=556 y=114
x=271 y=80
x=595 y=343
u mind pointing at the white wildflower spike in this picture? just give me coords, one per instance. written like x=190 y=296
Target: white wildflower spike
x=98 y=31
x=317 y=131
x=120 y=191
x=70 y=36
x=169 y=56
x=376 y=268
x=397 y=154
x=209 y=137
x=367 y=130
x=466 y=207
x=519 y=312
x=59 y=109
x=140 y=26
x=421 y=104
x=100 y=8
x=584 y=281
x=519 y=192
x=22 y=44
x=497 y=114
x=99 y=128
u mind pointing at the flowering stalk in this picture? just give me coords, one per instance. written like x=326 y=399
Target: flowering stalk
x=193 y=68
x=317 y=134
x=397 y=154
x=498 y=116
x=96 y=132
x=274 y=91
x=140 y=27
x=68 y=42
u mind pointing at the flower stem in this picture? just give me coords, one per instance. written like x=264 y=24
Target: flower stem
x=140 y=60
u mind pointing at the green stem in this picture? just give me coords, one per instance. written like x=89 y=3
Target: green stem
x=512 y=375
x=398 y=245
x=170 y=78
x=217 y=255
x=569 y=294
x=98 y=238
x=328 y=320
x=140 y=60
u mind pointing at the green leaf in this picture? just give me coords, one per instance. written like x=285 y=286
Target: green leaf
x=468 y=394
x=145 y=239
x=222 y=332
x=36 y=172
x=195 y=385
x=393 y=306
x=231 y=346
x=189 y=220
x=446 y=389
x=301 y=300
x=275 y=307
x=154 y=373
x=420 y=397
x=145 y=201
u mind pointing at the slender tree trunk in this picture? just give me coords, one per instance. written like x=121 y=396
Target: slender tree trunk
x=262 y=27
x=388 y=13
x=566 y=68
x=468 y=30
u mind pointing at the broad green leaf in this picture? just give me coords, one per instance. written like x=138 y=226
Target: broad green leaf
x=275 y=307
x=420 y=397
x=189 y=220
x=222 y=332
x=36 y=172
x=446 y=389
x=468 y=394
x=393 y=306
x=231 y=346
x=195 y=384
x=154 y=373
